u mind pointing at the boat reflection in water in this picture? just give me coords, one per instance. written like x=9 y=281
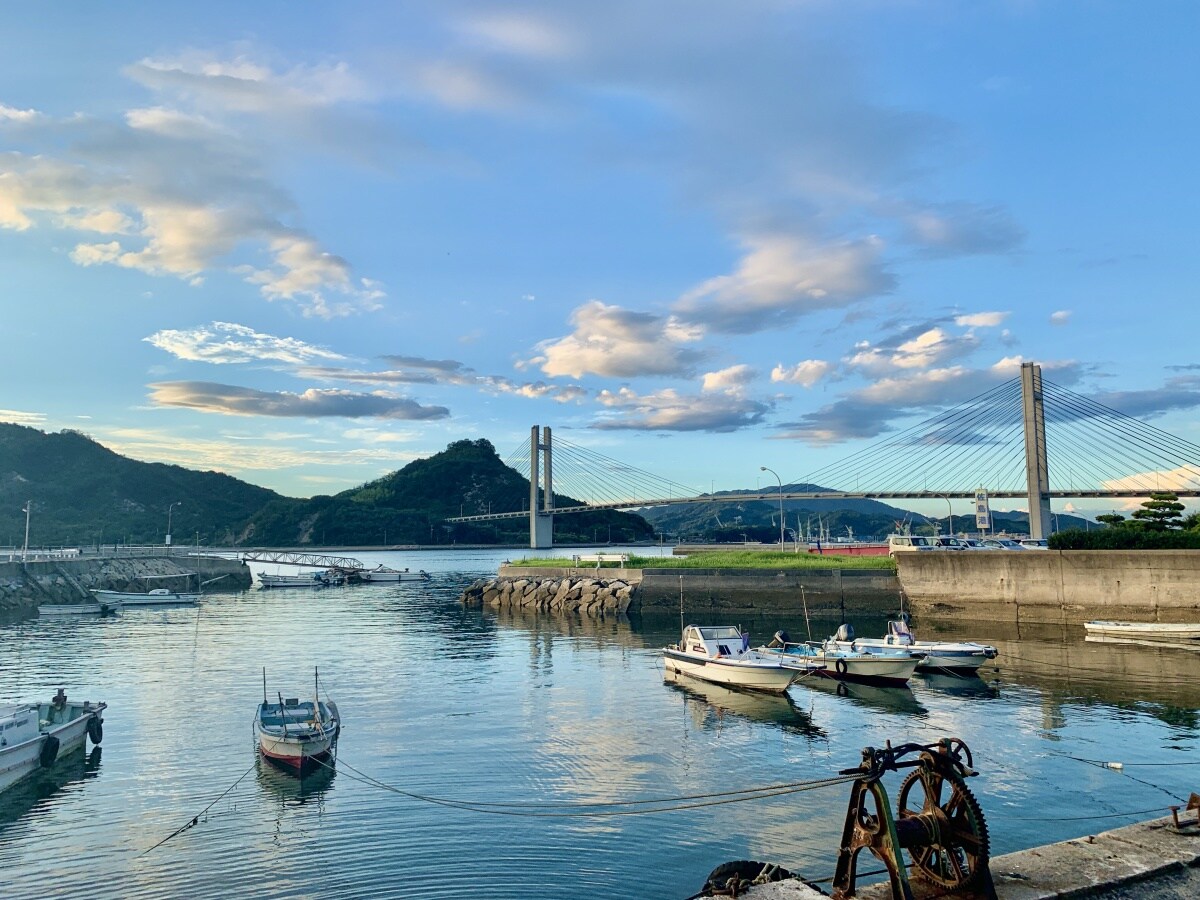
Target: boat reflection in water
x=44 y=785
x=291 y=790
x=897 y=699
x=713 y=702
x=958 y=685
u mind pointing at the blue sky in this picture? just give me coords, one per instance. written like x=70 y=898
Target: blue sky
x=305 y=245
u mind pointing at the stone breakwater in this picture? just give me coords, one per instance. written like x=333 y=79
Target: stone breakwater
x=588 y=595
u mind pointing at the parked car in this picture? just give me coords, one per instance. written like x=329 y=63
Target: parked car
x=1001 y=544
x=1033 y=544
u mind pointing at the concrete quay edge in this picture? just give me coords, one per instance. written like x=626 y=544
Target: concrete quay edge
x=1098 y=865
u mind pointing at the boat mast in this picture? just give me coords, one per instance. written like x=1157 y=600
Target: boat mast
x=316 y=695
x=264 y=685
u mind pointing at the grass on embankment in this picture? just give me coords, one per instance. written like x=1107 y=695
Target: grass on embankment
x=731 y=559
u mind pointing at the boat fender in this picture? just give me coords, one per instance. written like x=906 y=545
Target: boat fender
x=49 y=752
x=95 y=729
x=840 y=665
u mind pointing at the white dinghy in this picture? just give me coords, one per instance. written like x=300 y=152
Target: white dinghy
x=1145 y=631
x=963 y=657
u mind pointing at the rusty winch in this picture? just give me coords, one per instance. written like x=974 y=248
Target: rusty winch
x=937 y=821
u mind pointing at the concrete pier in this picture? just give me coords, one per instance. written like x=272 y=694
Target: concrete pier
x=1059 y=587
x=25 y=586
x=1146 y=861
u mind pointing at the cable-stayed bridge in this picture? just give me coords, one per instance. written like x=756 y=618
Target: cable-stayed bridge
x=1026 y=438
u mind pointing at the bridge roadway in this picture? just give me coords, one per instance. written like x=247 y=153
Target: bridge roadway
x=774 y=496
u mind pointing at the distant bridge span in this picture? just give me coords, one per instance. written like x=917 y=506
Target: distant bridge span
x=994 y=443
x=774 y=496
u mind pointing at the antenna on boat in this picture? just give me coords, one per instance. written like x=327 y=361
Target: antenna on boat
x=804 y=602
x=264 y=685
x=681 y=625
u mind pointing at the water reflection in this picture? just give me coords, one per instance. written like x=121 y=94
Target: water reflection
x=44 y=785
x=958 y=685
x=291 y=790
x=711 y=703
x=898 y=700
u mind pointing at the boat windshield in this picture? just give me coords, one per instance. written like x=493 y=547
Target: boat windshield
x=720 y=633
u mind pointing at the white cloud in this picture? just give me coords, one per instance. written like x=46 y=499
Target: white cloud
x=620 y=343
x=232 y=400
x=1184 y=478
x=981 y=320
x=1061 y=317
x=806 y=372
x=521 y=35
x=783 y=277
x=670 y=410
x=732 y=380
x=228 y=342
x=22 y=418
x=12 y=114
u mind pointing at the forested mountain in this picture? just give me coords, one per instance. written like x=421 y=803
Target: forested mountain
x=410 y=506
x=84 y=494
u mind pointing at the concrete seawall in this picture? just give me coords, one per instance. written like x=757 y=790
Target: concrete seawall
x=1061 y=587
x=742 y=590
x=24 y=586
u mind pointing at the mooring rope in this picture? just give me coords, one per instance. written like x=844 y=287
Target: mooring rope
x=571 y=809
x=196 y=818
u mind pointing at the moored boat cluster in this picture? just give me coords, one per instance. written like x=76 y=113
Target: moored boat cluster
x=594 y=596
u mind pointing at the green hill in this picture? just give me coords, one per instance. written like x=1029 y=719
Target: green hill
x=410 y=506
x=84 y=494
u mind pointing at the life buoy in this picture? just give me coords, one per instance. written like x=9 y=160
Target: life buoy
x=840 y=665
x=95 y=729
x=49 y=752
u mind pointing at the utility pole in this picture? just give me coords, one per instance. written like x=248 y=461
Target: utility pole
x=25 y=551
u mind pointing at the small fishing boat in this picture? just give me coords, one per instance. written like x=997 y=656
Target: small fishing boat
x=830 y=660
x=1146 y=631
x=382 y=573
x=721 y=654
x=87 y=608
x=297 y=735
x=965 y=657
x=34 y=735
x=326 y=578
x=156 y=597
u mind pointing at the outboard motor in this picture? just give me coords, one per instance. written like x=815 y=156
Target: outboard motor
x=845 y=633
x=781 y=639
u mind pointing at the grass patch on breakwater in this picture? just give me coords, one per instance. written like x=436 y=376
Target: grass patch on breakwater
x=730 y=559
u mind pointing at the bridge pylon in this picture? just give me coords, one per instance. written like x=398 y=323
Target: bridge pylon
x=541 y=515
x=1037 y=475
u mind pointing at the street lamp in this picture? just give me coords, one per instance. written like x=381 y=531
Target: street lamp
x=780 y=480
x=170 y=509
x=28 y=507
x=951 y=511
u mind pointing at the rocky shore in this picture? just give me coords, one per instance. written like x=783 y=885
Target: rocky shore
x=589 y=595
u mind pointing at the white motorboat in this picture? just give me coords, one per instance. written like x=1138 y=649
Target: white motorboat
x=842 y=663
x=382 y=573
x=1146 y=631
x=295 y=734
x=34 y=735
x=326 y=578
x=721 y=654
x=966 y=656
x=156 y=597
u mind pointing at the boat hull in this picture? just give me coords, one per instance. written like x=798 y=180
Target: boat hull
x=129 y=598
x=755 y=676
x=392 y=577
x=863 y=668
x=293 y=755
x=77 y=609
x=1146 y=631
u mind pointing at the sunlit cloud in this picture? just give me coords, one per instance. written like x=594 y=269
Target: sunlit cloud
x=20 y=417
x=805 y=373
x=670 y=410
x=226 y=399
x=224 y=343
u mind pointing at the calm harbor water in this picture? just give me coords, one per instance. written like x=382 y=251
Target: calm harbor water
x=464 y=707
